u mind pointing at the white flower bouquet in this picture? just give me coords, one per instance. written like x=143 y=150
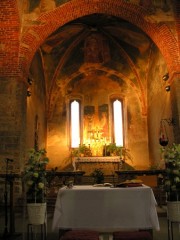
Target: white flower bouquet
x=172 y=178
x=35 y=176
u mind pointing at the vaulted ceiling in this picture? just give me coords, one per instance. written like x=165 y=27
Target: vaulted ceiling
x=64 y=49
x=120 y=52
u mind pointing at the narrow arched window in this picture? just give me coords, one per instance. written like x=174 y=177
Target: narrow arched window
x=117 y=122
x=75 y=123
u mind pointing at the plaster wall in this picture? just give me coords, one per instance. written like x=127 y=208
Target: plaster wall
x=175 y=103
x=159 y=107
x=36 y=106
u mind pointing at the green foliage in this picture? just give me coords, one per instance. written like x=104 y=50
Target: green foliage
x=35 y=175
x=50 y=176
x=111 y=148
x=75 y=152
x=123 y=152
x=82 y=149
x=172 y=178
x=98 y=175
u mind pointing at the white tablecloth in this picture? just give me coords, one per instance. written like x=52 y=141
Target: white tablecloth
x=105 y=208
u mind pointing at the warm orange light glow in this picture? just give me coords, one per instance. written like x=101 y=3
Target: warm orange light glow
x=75 y=124
x=118 y=125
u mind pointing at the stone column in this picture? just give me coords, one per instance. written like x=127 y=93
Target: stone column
x=12 y=122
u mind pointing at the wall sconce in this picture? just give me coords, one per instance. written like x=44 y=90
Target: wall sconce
x=168 y=88
x=165 y=77
x=28 y=93
x=30 y=81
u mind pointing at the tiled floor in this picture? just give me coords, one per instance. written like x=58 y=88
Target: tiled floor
x=21 y=227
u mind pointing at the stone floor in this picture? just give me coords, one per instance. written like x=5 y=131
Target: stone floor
x=21 y=227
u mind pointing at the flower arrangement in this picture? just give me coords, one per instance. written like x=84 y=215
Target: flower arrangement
x=82 y=150
x=35 y=176
x=172 y=177
x=120 y=151
x=98 y=175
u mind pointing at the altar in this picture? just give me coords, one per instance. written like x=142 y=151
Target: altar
x=87 y=164
x=105 y=209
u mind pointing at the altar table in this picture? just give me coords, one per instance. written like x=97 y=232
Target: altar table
x=105 y=209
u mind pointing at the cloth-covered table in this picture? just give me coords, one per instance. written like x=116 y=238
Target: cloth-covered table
x=105 y=209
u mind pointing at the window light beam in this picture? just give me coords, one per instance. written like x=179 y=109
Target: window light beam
x=75 y=124
x=118 y=124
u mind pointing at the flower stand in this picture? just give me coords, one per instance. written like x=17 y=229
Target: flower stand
x=173 y=216
x=37 y=216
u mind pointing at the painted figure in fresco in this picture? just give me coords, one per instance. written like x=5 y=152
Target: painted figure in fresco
x=92 y=50
x=47 y=5
x=33 y=8
x=96 y=49
x=104 y=124
x=96 y=124
x=88 y=121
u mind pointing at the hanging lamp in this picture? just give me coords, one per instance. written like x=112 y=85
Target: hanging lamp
x=163 y=137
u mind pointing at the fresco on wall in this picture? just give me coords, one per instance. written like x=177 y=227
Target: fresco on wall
x=103 y=121
x=96 y=49
x=33 y=8
x=96 y=128
x=159 y=10
x=96 y=122
x=42 y=5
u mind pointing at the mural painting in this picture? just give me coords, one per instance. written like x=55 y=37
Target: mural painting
x=96 y=128
x=33 y=8
x=44 y=5
x=96 y=49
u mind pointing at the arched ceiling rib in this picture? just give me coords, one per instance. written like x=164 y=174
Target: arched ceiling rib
x=117 y=21
x=126 y=43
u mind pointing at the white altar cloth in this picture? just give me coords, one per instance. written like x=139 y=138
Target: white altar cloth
x=105 y=209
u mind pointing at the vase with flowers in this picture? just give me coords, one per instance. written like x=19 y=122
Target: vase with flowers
x=172 y=181
x=35 y=185
x=172 y=176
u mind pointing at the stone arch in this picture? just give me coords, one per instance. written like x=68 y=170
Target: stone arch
x=50 y=21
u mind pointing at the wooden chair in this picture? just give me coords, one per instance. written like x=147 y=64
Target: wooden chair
x=80 y=235
x=132 y=235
